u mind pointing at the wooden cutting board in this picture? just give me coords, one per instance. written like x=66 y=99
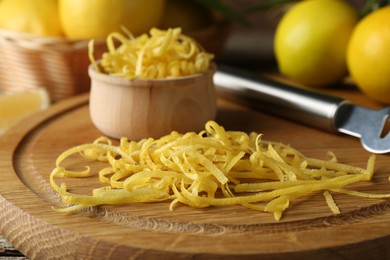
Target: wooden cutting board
x=308 y=228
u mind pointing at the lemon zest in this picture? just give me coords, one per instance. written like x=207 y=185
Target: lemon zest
x=214 y=167
x=161 y=54
x=331 y=203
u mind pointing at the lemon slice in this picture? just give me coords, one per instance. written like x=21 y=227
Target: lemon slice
x=16 y=106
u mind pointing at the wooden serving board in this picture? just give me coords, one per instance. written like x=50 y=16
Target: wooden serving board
x=307 y=229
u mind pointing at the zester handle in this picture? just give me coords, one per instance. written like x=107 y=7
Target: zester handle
x=299 y=104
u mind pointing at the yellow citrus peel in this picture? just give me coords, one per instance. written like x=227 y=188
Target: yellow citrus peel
x=214 y=167
x=161 y=54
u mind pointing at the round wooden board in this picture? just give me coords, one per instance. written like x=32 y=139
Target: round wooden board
x=307 y=229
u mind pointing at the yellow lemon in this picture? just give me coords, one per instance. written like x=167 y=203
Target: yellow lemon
x=15 y=107
x=369 y=55
x=311 y=41
x=85 y=19
x=39 y=17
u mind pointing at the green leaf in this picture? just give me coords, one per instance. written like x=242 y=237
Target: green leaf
x=372 y=5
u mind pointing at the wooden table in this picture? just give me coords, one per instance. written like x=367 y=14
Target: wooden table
x=235 y=117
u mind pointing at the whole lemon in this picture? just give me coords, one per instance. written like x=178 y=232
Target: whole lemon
x=85 y=19
x=311 y=41
x=34 y=17
x=368 y=55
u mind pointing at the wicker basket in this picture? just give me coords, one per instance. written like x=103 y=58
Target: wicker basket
x=57 y=64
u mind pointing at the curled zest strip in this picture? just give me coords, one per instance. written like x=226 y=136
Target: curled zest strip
x=214 y=167
x=161 y=54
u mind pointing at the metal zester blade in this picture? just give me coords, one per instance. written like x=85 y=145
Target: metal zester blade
x=365 y=124
x=306 y=106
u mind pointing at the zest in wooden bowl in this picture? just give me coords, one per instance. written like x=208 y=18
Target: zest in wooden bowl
x=143 y=108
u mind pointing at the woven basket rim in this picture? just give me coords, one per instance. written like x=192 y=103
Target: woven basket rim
x=43 y=43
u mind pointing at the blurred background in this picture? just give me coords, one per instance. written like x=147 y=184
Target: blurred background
x=252 y=46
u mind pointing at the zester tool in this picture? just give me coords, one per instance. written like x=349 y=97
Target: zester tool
x=306 y=106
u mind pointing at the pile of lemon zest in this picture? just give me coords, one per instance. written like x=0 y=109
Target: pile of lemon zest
x=161 y=54
x=214 y=167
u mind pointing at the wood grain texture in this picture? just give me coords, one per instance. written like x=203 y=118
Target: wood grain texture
x=308 y=228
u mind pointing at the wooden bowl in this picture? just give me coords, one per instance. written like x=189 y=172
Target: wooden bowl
x=142 y=108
